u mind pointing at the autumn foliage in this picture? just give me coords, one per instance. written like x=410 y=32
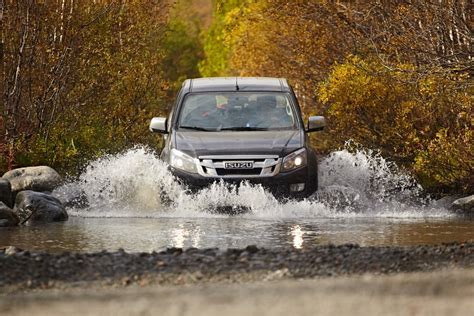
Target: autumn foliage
x=82 y=78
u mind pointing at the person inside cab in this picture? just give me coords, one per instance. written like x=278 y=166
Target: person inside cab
x=268 y=114
x=204 y=111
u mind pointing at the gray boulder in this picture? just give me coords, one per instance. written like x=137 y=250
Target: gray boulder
x=40 y=178
x=34 y=207
x=6 y=192
x=465 y=204
x=446 y=201
x=7 y=216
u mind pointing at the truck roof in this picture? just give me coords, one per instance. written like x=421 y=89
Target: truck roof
x=236 y=84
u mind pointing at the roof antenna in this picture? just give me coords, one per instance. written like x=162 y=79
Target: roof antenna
x=236 y=84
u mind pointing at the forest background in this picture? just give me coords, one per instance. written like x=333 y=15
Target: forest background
x=81 y=79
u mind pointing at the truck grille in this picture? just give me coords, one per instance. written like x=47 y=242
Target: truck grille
x=243 y=172
x=215 y=166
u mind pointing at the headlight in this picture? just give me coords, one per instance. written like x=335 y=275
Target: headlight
x=295 y=160
x=180 y=160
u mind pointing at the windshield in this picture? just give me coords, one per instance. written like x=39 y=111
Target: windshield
x=238 y=111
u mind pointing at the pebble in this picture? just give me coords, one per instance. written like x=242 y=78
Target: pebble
x=11 y=250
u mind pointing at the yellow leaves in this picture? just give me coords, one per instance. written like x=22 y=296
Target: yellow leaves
x=407 y=107
x=232 y=16
x=409 y=118
x=449 y=158
x=323 y=93
x=428 y=86
x=350 y=86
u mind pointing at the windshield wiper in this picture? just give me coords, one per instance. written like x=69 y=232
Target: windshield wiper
x=244 y=128
x=196 y=128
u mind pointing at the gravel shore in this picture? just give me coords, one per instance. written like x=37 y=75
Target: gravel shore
x=23 y=270
x=447 y=292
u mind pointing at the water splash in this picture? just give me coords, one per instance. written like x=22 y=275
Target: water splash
x=357 y=183
x=360 y=178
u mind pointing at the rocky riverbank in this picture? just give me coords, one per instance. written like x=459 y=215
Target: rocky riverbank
x=24 y=270
x=25 y=197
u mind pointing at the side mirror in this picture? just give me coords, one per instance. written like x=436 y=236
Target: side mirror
x=158 y=125
x=316 y=123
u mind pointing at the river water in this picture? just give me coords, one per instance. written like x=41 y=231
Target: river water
x=134 y=203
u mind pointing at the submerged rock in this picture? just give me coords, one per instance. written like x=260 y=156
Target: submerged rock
x=446 y=201
x=40 y=178
x=229 y=209
x=7 y=216
x=465 y=204
x=34 y=207
x=6 y=192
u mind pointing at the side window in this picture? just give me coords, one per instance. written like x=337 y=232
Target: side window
x=285 y=110
x=173 y=109
x=170 y=120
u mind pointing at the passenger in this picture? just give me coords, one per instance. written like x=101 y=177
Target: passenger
x=267 y=114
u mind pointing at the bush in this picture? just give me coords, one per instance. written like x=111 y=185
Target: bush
x=421 y=122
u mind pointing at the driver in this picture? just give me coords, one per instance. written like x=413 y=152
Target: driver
x=207 y=114
x=267 y=113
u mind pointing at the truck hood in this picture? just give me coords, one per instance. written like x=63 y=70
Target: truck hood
x=279 y=143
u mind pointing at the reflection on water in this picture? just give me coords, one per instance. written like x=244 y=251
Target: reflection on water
x=182 y=233
x=297 y=234
x=154 y=234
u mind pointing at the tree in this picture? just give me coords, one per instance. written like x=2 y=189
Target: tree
x=81 y=78
x=36 y=58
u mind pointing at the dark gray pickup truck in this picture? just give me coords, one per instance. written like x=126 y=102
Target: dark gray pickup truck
x=240 y=129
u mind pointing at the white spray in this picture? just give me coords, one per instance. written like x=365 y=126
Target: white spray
x=352 y=184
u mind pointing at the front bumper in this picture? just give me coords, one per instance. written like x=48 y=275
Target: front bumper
x=278 y=185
